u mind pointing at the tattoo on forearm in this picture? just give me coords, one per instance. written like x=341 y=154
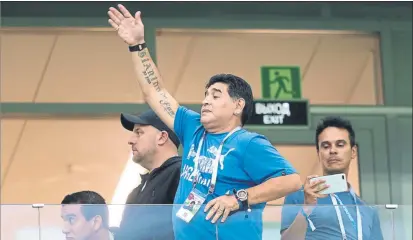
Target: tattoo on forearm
x=167 y=106
x=151 y=78
x=142 y=54
x=148 y=71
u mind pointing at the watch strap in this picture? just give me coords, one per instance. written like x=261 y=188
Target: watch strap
x=240 y=203
x=243 y=205
x=137 y=48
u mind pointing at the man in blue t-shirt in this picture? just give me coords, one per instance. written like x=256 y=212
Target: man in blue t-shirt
x=227 y=173
x=317 y=218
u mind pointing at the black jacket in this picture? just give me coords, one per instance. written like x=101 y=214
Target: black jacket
x=151 y=222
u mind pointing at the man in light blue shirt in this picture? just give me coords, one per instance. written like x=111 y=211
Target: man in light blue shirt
x=319 y=219
x=228 y=173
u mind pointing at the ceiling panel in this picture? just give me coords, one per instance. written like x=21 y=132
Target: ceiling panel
x=83 y=67
x=11 y=131
x=230 y=54
x=90 y=68
x=334 y=63
x=95 y=66
x=23 y=61
x=335 y=68
x=357 y=92
x=173 y=64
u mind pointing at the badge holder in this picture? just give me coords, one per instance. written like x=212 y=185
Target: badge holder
x=191 y=205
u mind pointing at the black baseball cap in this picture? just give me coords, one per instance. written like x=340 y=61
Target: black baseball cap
x=147 y=118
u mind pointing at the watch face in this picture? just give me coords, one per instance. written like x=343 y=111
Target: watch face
x=242 y=195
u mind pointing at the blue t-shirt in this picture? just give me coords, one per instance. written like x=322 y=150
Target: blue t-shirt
x=247 y=159
x=325 y=219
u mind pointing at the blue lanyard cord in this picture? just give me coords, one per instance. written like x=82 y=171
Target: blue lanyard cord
x=347 y=212
x=337 y=202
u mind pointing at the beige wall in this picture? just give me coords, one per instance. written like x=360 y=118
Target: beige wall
x=57 y=156
x=343 y=63
x=95 y=66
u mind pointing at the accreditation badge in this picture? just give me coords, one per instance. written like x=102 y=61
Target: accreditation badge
x=191 y=205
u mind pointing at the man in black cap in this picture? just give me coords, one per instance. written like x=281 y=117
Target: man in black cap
x=155 y=147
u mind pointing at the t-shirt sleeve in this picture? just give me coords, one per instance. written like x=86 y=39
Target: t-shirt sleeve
x=185 y=123
x=290 y=209
x=262 y=161
x=376 y=233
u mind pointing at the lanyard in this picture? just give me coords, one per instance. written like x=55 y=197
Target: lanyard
x=214 y=163
x=358 y=227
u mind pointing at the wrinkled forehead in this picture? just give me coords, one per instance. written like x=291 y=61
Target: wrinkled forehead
x=333 y=134
x=71 y=210
x=217 y=87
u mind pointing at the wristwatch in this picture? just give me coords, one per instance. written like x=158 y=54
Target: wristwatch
x=242 y=197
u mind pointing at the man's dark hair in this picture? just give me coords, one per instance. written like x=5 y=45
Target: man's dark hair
x=237 y=88
x=337 y=122
x=88 y=198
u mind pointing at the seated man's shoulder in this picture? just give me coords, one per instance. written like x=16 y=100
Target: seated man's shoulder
x=178 y=161
x=174 y=162
x=366 y=206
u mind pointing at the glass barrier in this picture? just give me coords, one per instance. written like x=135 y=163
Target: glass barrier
x=125 y=222
x=47 y=222
x=19 y=222
x=377 y=221
x=402 y=221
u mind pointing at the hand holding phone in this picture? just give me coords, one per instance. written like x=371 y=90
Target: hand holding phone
x=312 y=188
x=336 y=183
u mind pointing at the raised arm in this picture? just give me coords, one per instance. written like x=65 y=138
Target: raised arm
x=131 y=30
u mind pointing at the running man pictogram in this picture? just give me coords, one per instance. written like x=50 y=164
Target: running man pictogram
x=281 y=83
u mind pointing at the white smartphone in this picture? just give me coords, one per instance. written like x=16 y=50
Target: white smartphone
x=337 y=183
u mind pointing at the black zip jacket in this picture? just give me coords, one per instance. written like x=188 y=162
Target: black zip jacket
x=147 y=221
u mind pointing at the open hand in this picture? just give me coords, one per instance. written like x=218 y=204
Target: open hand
x=221 y=206
x=129 y=28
